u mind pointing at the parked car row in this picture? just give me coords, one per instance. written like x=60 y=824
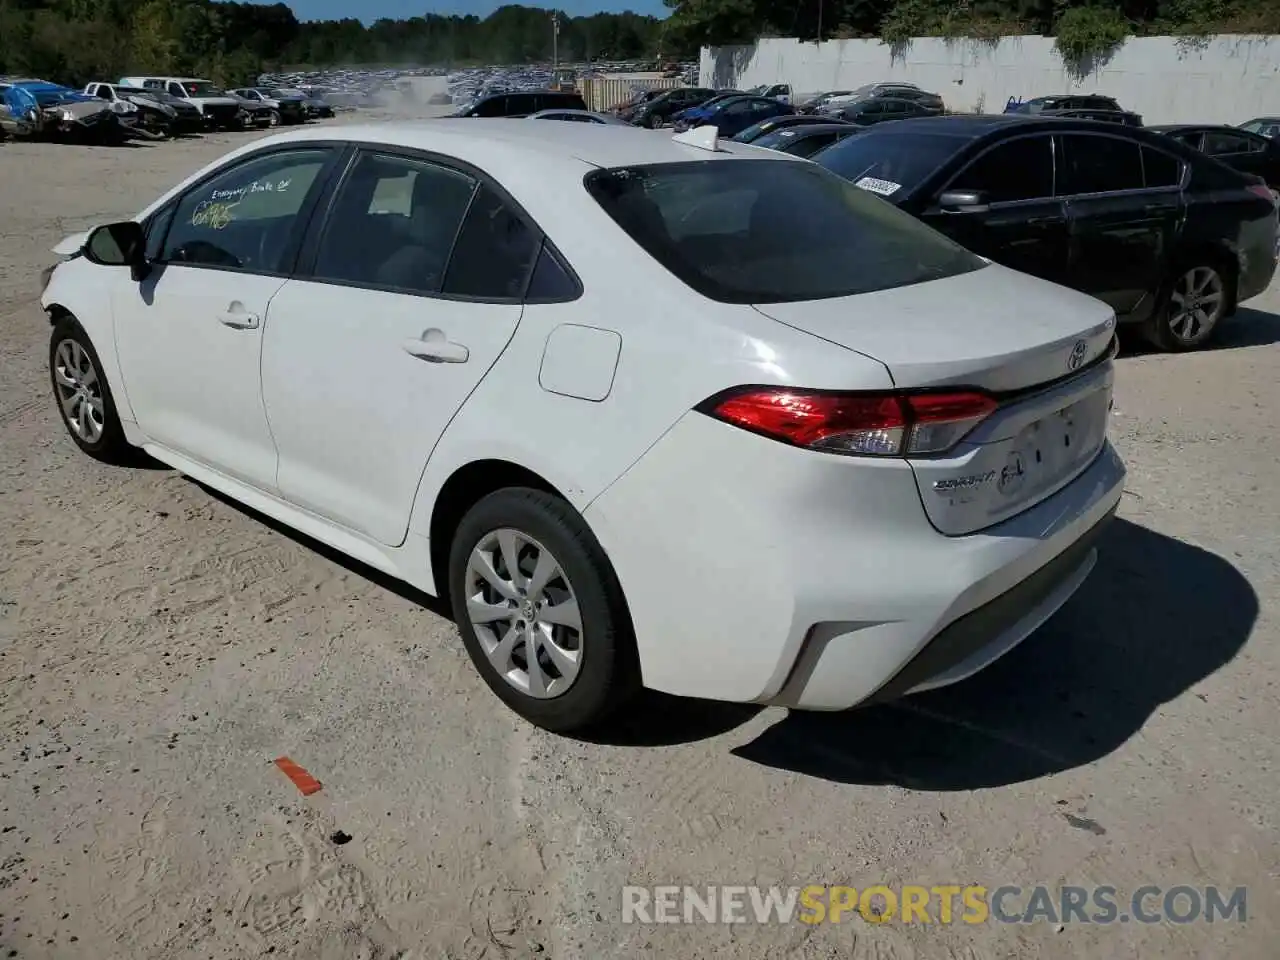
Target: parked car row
x=149 y=107
x=1171 y=226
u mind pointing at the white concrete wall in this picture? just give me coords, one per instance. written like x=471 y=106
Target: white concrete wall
x=1226 y=79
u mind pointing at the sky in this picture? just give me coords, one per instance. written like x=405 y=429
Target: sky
x=370 y=10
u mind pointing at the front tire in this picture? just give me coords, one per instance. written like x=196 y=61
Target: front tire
x=274 y=119
x=540 y=610
x=85 y=404
x=1197 y=299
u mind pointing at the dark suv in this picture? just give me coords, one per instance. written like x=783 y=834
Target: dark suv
x=521 y=103
x=1170 y=238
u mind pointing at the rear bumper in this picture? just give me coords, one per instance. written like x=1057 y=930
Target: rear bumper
x=760 y=572
x=1258 y=255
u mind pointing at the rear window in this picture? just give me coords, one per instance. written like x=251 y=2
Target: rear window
x=899 y=160
x=772 y=231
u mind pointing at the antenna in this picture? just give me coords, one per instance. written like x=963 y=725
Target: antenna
x=705 y=137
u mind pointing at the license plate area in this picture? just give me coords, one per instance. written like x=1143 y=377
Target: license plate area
x=1053 y=448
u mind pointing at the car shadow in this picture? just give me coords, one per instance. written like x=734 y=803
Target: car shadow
x=656 y=719
x=1155 y=617
x=437 y=605
x=1249 y=327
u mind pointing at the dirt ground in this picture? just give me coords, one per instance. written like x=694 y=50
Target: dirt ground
x=159 y=646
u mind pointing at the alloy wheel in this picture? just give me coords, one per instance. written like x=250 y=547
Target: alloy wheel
x=525 y=613
x=1196 y=304
x=79 y=391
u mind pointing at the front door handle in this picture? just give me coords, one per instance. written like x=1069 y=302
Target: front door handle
x=434 y=347
x=1048 y=221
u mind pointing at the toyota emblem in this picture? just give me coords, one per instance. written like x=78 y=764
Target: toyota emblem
x=1078 y=353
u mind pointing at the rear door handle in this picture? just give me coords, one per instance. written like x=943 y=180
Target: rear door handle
x=434 y=347
x=1159 y=208
x=1047 y=221
x=238 y=320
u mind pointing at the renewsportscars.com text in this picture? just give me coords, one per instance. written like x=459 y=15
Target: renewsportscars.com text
x=940 y=904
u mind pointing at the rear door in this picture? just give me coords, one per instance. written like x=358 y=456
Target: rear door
x=1121 y=232
x=1023 y=226
x=409 y=288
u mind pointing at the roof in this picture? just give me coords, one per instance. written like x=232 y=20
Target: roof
x=1176 y=127
x=503 y=143
x=964 y=125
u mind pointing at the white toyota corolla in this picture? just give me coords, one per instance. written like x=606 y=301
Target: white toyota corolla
x=647 y=410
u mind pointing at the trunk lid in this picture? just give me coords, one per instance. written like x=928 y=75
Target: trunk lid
x=1042 y=349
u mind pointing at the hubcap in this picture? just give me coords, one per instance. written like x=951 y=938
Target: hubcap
x=79 y=391
x=1196 y=303
x=525 y=613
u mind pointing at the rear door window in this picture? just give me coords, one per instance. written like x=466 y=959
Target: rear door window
x=1020 y=169
x=493 y=107
x=494 y=251
x=1160 y=169
x=1097 y=164
x=808 y=146
x=770 y=231
x=392 y=224
x=522 y=103
x=1219 y=144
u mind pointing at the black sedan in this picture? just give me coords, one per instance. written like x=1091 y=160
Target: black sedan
x=806 y=140
x=758 y=130
x=1172 y=240
x=1240 y=149
x=879 y=110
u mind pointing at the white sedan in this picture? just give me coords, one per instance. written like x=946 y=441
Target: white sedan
x=651 y=411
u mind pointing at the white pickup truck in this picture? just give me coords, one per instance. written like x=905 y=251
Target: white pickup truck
x=219 y=111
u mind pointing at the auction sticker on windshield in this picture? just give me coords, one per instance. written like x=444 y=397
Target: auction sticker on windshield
x=874 y=185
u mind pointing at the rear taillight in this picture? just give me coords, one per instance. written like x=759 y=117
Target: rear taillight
x=860 y=424
x=1262 y=190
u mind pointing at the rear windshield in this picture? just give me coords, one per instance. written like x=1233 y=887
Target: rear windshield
x=772 y=231
x=900 y=161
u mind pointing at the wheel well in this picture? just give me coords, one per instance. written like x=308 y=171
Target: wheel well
x=459 y=494
x=57 y=312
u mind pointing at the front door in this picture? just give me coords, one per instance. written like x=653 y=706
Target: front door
x=365 y=363
x=1120 y=231
x=189 y=336
x=1022 y=226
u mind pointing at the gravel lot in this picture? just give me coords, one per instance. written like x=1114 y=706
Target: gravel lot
x=159 y=646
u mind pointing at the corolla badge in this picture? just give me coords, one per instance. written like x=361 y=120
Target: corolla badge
x=1078 y=353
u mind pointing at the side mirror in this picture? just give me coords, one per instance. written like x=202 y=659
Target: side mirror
x=963 y=201
x=121 y=244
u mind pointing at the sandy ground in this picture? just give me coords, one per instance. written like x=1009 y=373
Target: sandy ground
x=159 y=646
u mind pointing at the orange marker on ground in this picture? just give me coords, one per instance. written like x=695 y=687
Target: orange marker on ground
x=304 y=781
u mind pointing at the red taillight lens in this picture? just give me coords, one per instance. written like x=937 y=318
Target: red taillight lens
x=1263 y=191
x=862 y=424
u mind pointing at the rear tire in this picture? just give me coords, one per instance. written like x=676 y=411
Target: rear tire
x=563 y=599
x=85 y=405
x=1197 y=297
